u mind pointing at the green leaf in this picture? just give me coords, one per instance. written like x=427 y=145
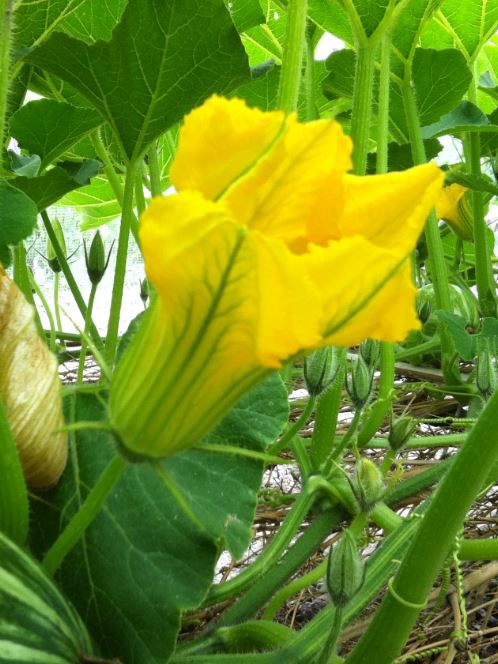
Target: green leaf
x=25 y=165
x=331 y=16
x=163 y=59
x=488 y=85
x=266 y=41
x=406 y=32
x=245 y=13
x=469 y=24
x=17 y=218
x=37 y=624
x=143 y=561
x=96 y=203
x=465 y=117
x=469 y=345
x=370 y=13
x=48 y=128
x=47 y=189
x=85 y=19
x=441 y=79
x=400 y=157
x=340 y=80
x=262 y=91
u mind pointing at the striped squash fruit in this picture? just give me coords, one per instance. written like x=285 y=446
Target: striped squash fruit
x=37 y=625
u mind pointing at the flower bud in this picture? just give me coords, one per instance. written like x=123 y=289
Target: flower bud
x=52 y=259
x=368 y=484
x=487 y=374
x=359 y=382
x=320 y=370
x=30 y=388
x=454 y=207
x=370 y=352
x=96 y=261
x=400 y=431
x=345 y=571
x=144 y=290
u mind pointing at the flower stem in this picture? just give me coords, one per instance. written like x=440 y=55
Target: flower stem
x=381 y=406
x=73 y=286
x=88 y=318
x=439 y=272
x=294 y=428
x=330 y=647
x=362 y=104
x=7 y=20
x=120 y=270
x=154 y=170
x=435 y=536
x=84 y=517
x=292 y=61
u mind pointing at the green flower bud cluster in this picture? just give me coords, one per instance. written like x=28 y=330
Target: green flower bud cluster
x=345 y=571
x=320 y=370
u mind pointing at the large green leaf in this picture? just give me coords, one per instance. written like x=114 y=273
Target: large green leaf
x=331 y=16
x=86 y=19
x=465 y=25
x=47 y=189
x=164 y=58
x=143 y=561
x=48 y=128
x=470 y=345
x=441 y=79
x=370 y=13
x=267 y=41
x=17 y=218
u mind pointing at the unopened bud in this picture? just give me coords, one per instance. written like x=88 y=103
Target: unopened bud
x=370 y=352
x=52 y=259
x=345 y=571
x=454 y=207
x=359 y=382
x=30 y=387
x=487 y=375
x=400 y=431
x=96 y=260
x=144 y=290
x=320 y=369
x=368 y=484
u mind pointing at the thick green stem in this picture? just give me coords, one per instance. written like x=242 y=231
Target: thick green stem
x=88 y=318
x=435 y=536
x=292 y=61
x=22 y=278
x=57 y=308
x=120 y=270
x=362 y=104
x=154 y=170
x=53 y=336
x=84 y=516
x=7 y=20
x=383 y=401
x=485 y=282
x=14 y=507
x=73 y=286
x=309 y=76
x=326 y=416
x=439 y=272
x=113 y=179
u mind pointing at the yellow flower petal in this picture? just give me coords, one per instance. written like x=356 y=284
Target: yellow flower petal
x=367 y=291
x=219 y=141
x=453 y=207
x=289 y=305
x=390 y=210
x=294 y=192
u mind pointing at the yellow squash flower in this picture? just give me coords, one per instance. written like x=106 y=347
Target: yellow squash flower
x=453 y=207
x=268 y=249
